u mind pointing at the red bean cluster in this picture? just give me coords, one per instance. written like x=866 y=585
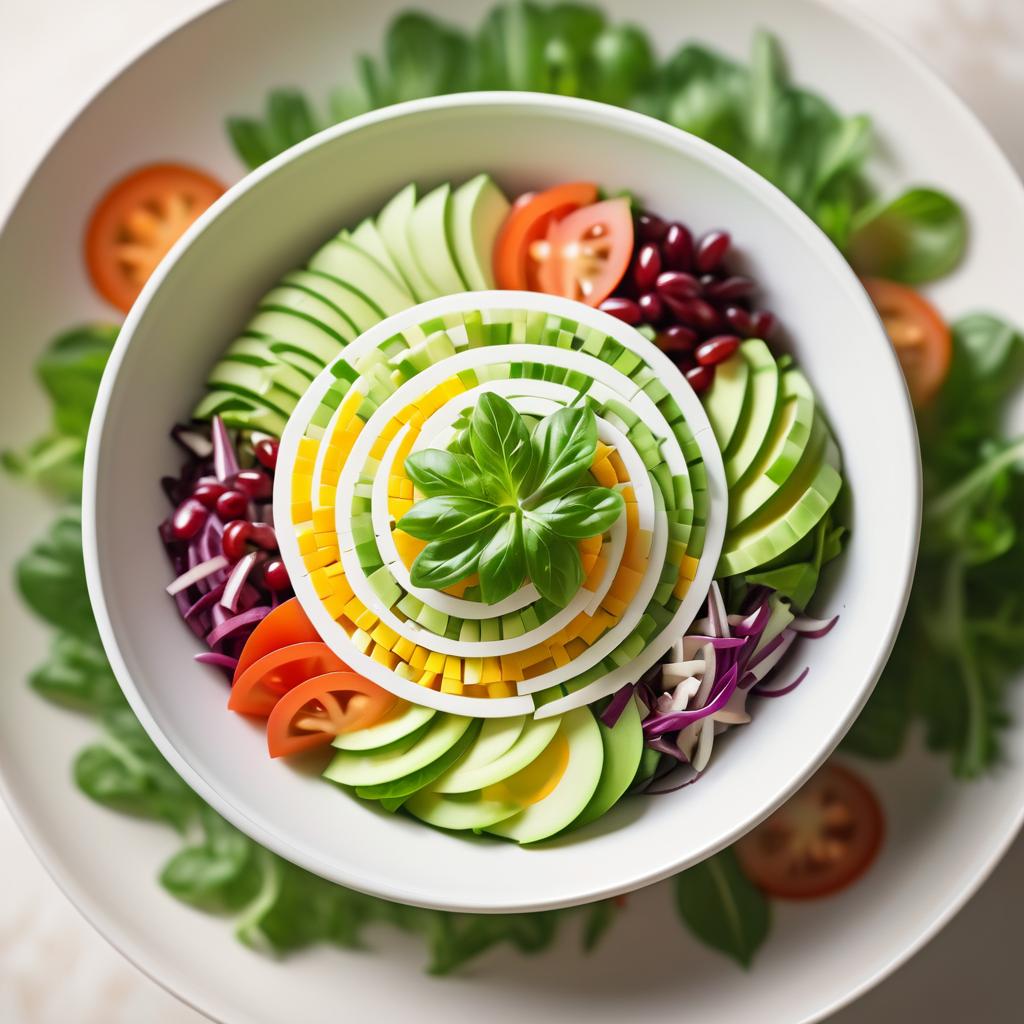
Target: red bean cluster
x=682 y=288
x=198 y=495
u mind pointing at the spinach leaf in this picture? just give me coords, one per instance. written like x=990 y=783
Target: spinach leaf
x=723 y=908
x=437 y=472
x=423 y=57
x=502 y=564
x=77 y=675
x=917 y=237
x=444 y=562
x=553 y=563
x=582 y=513
x=564 y=444
x=501 y=443
x=449 y=517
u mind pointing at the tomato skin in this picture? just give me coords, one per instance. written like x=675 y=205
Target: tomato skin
x=257 y=690
x=286 y=733
x=287 y=624
x=918 y=333
x=818 y=843
x=137 y=221
x=528 y=222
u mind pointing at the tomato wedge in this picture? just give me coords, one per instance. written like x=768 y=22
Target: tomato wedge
x=819 y=842
x=323 y=707
x=528 y=222
x=918 y=333
x=588 y=252
x=258 y=689
x=137 y=221
x=285 y=625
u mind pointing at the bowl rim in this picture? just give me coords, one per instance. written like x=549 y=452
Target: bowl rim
x=721 y=162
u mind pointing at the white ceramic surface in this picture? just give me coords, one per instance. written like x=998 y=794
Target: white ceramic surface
x=946 y=836
x=272 y=221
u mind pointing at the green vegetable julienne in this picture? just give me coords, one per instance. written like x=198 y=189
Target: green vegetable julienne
x=816 y=155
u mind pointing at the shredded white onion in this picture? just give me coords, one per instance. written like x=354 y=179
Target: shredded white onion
x=197 y=573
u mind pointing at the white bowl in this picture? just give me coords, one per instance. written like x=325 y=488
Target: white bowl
x=271 y=222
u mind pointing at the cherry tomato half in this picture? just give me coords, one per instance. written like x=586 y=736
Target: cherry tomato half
x=285 y=625
x=527 y=223
x=316 y=711
x=819 y=842
x=136 y=223
x=918 y=333
x=258 y=689
x=588 y=252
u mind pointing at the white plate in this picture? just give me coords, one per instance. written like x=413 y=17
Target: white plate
x=944 y=837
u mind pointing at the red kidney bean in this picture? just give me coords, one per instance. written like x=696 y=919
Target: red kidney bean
x=207 y=493
x=677 y=247
x=266 y=450
x=677 y=339
x=232 y=505
x=728 y=289
x=700 y=377
x=715 y=350
x=235 y=537
x=762 y=325
x=263 y=536
x=254 y=483
x=651 y=308
x=678 y=285
x=650 y=228
x=622 y=309
x=275 y=575
x=695 y=313
x=711 y=250
x=646 y=267
x=188 y=519
x=739 y=320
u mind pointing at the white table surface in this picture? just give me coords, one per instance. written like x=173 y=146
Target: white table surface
x=54 y=969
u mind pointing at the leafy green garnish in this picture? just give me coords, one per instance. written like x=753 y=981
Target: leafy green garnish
x=754 y=111
x=515 y=508
x=723 y=908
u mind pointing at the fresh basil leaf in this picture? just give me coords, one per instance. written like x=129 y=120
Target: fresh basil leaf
x=918 y=237
x=449 y=517
x=564 y=444
x=722 y=907
x=424 y=57
x=502 y=564
x=290 y=118
x=444 y=562
x=510 y=48
x=501 y=442
x=552 y=562
x=621 y=66
x=582 y=513
x=436 y=472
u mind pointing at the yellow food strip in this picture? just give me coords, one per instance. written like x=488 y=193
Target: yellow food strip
x=404 y=647
x=575 y=648
x=621 y=473
x=604 y=473
x=429 y=680
x=453 y=668
x=418 y=659
x=601 y=452
x=408 y=547
x=435 y=662
x=323 y=518
x=626 y=583
x=559 y=655
x=335 y=604
x=449 y=685
x=321 y=557
x=500 y=689
x=595 y=573
x=680 y=589
x=367 y=620
x=688 y=567
x=384 y=657
x=491 y=672
x=473 y=671
x=510 y=669
x=307 y=542
x=307 y=449
x=384 y=636
x=397 y=507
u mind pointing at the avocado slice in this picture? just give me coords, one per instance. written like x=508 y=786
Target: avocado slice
x=460 y=811
x=530 y=744
x=478 y=210
x=367 y=238
x=346 y=262
x=393 y=226
x=397 y=726
x=350 y=303
x=572 y=792
x=431 y=244
x=762 y=401
x=725 y=398
x=623 y=746
x=312 y=306
x=371 y=768
x=297 y=333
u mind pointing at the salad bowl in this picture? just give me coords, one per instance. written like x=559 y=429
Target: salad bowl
x=271 y=221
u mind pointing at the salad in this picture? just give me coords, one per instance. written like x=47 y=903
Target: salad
x=959 y=648
x=494 y=508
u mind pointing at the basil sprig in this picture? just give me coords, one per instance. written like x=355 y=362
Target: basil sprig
x=509 y=505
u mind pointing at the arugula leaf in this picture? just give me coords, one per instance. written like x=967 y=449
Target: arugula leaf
x=723 y=908
x=552 y=562
x=436 y=472
x=502 y=564
x=915 y=238
x=584 y=512
x=564 y=444
x=444 y=562
x=500 y=443
x=448 y=517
